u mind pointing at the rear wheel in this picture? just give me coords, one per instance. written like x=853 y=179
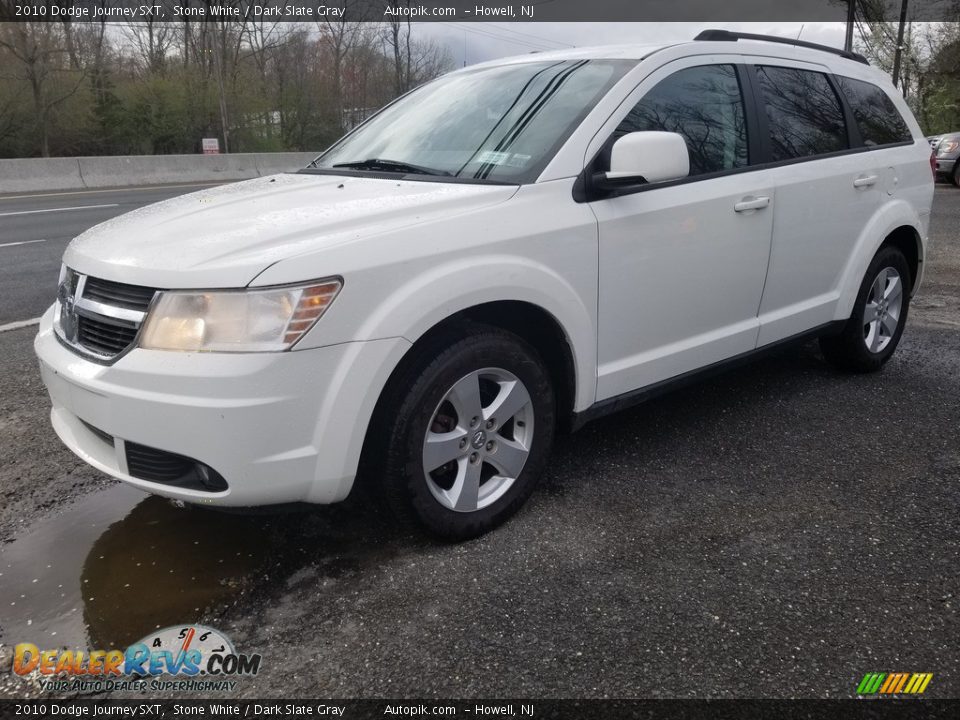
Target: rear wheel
x=872 y=333
x=467 y=427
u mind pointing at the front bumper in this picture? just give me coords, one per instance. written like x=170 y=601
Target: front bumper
x=279 y=427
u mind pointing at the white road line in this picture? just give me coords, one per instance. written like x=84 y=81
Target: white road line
x=78 y=207
x=135 y=188
x=19 y=324
x=22 y=242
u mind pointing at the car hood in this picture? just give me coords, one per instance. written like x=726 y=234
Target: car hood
x=227 y=235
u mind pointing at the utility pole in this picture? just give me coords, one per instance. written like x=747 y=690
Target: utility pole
x=851 y=21
x=899 y=51
x=220 y=42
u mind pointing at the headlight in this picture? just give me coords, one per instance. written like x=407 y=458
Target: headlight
x=947 y=146
x=254 y=320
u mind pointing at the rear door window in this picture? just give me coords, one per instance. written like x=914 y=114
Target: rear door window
x=804 y=115
x=879 y=121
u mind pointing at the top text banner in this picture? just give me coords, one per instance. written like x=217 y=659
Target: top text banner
x=459 y=10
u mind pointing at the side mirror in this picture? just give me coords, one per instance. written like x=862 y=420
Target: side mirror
x=646 y=157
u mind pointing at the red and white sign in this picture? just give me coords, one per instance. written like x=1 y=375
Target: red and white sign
x=211 y=146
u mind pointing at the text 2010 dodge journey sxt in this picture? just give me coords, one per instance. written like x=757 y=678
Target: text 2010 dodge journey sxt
x=503 y=253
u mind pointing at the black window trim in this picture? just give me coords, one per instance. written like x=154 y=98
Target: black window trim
x=758 y=142
x=756 y=121
x=854 y=139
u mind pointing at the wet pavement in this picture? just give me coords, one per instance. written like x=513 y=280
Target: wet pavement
x=778 y=531
x=120 y=562
x=116 y=563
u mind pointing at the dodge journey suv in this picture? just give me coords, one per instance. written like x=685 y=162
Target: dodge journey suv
x=504 y=253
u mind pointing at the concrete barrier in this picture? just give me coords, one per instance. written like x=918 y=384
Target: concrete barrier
x=270 y=163
x=28 y=175
x=50 y=174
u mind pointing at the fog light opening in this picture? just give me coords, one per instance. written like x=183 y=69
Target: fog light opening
x=210 y=478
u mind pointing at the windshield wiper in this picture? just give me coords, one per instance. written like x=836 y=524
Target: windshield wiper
x=391 y=166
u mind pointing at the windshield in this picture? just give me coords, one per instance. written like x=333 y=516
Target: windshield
x=501 y=123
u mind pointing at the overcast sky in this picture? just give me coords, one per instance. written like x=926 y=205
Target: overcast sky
x=473 y=42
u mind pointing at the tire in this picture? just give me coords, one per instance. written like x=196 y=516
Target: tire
x=440 y=409
x=955 y=175
x=871 y=335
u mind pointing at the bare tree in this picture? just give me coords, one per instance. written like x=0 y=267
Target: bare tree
x=152 y=41
x=340 y=36
x=396 y=37
x=11 y=91
x=265 y=38
x=98 y=87
x=414 y=61
x=40 y=49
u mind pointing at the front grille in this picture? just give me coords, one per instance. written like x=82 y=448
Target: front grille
x=104 y=338
x=132 y=297
x=148 y=463
x=100 y=318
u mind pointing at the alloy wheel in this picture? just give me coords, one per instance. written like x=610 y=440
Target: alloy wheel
x=478 y=440
x=881 y=315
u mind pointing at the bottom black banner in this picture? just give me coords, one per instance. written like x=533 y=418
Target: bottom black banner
x=548 y=709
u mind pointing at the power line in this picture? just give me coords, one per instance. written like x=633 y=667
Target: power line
x=488 y=34
x=531 y=35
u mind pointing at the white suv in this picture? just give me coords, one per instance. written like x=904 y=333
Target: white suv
x=509 y=251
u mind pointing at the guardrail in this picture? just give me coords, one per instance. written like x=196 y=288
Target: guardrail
x=80 y=173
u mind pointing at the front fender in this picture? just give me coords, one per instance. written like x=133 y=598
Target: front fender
x=423 y=301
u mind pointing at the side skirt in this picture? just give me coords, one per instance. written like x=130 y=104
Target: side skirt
x=641 y=395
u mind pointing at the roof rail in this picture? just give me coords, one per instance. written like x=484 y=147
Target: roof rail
x=729 y=36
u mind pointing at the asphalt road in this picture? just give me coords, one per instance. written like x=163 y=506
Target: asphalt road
x=778 y=531
x=35 y=230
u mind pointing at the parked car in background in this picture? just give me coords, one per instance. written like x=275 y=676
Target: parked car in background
x=509 y=251
x=947 y=152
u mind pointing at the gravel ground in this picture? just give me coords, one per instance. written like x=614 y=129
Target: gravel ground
x=775 y=532
x=39 y=475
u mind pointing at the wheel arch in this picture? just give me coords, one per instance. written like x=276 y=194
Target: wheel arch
x=519 y=289
x=907 y=240
x=547 y=336
x=517 y=294
x=897 y=224
x=529 y=321
x=533 y=323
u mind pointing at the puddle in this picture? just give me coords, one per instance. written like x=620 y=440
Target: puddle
x=117 y=564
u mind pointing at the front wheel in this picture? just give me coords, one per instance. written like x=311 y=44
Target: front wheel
x=871 y=335
x=955 y=175
x=468 y=426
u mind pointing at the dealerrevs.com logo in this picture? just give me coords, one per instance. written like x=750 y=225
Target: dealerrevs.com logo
x=188 y=657
x=894 y=683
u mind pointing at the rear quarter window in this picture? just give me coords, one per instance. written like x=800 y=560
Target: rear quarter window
x=878 y=119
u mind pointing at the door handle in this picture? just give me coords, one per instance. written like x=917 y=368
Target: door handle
x=752 y=204
x=865 y=181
